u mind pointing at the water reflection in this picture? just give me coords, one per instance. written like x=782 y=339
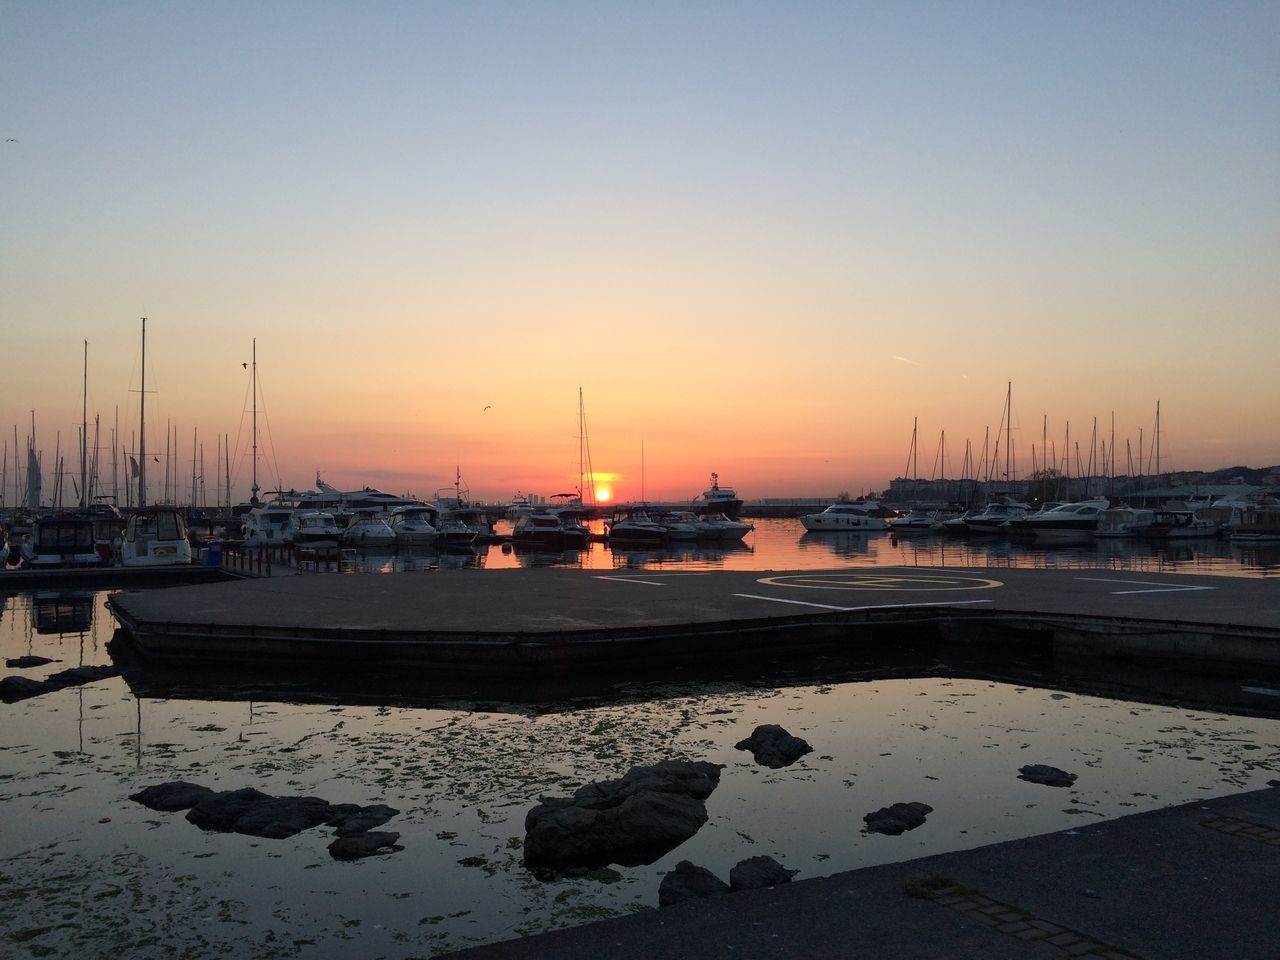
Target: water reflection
x=906 y=721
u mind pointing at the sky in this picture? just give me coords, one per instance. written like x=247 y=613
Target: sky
x=762 y=239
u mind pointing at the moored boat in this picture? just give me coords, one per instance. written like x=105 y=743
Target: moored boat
x=368 y=530
x=414 y=524
x=63 y=541
x=1063 y=521
x=155 y=536
x=842 y=517
x=718 y=499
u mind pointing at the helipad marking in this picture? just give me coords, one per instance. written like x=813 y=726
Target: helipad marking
x=879 y=581
x=878 y=606
x=1161 y=588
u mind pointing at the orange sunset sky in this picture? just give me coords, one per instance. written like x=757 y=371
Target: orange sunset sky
x=762 y=238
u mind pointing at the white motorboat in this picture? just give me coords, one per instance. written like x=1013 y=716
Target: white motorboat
x=414 y=524
x=1124 y=521
x=996 y=517
x=368 y=530
x=860 y=516
x=62 y=542
x=267 y=524
x=680 y=525
x=636 y=526
x=313 y=528
x=453 y=532
x=1257 y=525
x=916 y=521
x=1063 y=521
x=547 y=530
x=155 y=537
x=717 y=526
x=1179 y=521
x=519 y=506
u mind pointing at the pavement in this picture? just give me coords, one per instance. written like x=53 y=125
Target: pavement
x=1198 y=881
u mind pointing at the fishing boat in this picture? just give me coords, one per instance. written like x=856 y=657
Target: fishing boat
x=860 y=516
x=155 y=536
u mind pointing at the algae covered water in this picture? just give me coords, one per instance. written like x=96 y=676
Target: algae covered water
x=82 y=867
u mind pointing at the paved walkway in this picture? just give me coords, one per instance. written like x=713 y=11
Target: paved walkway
x=1200 y=881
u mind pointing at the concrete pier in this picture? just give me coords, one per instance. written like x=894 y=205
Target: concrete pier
x=477 y=621
x=1195 y=882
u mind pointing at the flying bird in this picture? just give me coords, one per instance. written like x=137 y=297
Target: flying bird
x=245 y=365
x=486 y=407
x=11 y=140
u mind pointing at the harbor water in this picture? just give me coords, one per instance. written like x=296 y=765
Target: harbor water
x=85 y=869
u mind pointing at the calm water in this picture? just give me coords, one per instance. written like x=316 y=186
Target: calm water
x=784 y=545
x=82 y=868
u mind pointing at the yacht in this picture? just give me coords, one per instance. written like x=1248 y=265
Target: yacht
x=1064 y=520
x=414 y=524
x=453 y=532
x=916 y=521
x=1177 y=520
x=267 y=524
x=996 y=517
x=545 y=529
x=719 y=499
x=155 y=537
x=365 y=500
x=1124 y=521
x=66 y=541
x=636 y=526
x=368 y=530
x=717 y=526
x=313 y=528
x=857 y=515
x=680 y=525
x=519 y=506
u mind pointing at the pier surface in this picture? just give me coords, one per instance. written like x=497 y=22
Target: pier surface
x=514 y=619
x=1195 y=881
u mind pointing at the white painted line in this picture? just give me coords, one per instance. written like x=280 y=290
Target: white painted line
x=1144 y=583
x=1265 y=691
x=650 y=583
x=879 y=606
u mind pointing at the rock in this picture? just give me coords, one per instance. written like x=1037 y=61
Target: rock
x=281 y=817
x=171 y=797
x=358 y=819
x=74 y=676
x=773 y=747
x=220 y=811
x=897 y=818
x=755 y=873
x=365 y=845
x=1049 y=776
x=631 y=821
x=13 y=689
x=689 y=882
x=23 y=663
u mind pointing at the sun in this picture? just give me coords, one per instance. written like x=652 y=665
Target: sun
x=603 y=494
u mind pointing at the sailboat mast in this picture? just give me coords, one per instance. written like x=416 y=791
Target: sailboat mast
x=84 y=433
x=1008 y=432
x=253 y=498
x=142 y=424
